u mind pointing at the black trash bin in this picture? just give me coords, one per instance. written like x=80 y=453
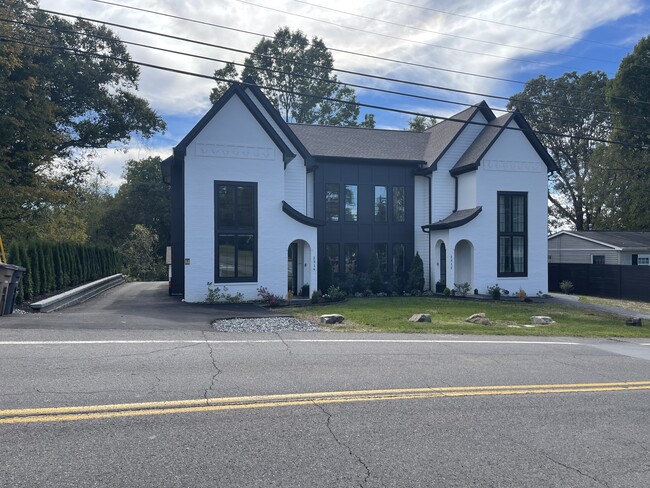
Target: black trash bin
x=10 y=274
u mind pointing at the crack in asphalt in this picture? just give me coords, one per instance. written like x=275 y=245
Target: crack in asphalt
x=283 y=342
x=148 y=352
x=349 y=449
x=214 y=365
x=574 y=469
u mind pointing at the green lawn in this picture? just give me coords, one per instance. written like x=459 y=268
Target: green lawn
x=448 y=317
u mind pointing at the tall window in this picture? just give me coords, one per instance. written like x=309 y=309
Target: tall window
x=381 y=202
x=381 y=250
x=235 y=231
x=398 y=258
x=399 y=204
x=332 y=252
x=512 y=234
x=351 y=203
x=332 y=208
x=351 y=254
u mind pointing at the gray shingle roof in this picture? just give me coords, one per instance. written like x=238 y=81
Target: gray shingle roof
x=455 y=219
x=625 y=240
x=355 y=142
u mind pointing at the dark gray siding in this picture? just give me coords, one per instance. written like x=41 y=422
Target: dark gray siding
x=365 y=232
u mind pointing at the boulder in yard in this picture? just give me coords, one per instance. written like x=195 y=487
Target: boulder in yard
x=541 y=320
x=478 y=318
x=420 y=317
x=635 y=321
x=332 y=318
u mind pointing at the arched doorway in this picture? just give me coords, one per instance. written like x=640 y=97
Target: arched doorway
x=298 y=270
x=464 y=265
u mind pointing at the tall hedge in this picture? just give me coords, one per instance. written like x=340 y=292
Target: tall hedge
x=56 y=266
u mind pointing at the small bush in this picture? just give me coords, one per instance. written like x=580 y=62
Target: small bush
x=462 y=289
x=271 y=299
x=316 y=296
x=446 y=292
x=495 y=291
x=566 y=286
x=217 y=295
x=334 y=294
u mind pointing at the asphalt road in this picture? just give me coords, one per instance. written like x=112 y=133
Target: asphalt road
x=186 y=407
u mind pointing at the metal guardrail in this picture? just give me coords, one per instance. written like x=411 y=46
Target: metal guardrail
x=77 y=295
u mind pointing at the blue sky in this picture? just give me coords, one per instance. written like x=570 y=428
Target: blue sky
x=498 y=38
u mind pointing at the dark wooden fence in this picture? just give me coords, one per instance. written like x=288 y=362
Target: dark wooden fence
x=602 y=280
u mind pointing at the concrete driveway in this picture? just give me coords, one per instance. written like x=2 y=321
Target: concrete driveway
x=135 y=306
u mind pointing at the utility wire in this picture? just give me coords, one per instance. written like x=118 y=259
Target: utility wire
x=454 y=36
x=75 y=51
x=530 y=29
x=365 y=55
x=388 y=36
x=349 y=72
x=337 y=82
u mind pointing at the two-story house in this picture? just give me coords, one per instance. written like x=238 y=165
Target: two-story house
x=256 y=201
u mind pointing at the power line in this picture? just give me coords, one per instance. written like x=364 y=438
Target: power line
x=530 y=29
x=340 y=83
x=355 y=29
x=349 y=72
x=365 y=55
x=75 y=51
x=455 y=36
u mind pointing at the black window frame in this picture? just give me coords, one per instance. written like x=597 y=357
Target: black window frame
x=401 y=266
x=355 y=254
x=598 y=257
x=329 y=246
x=509 y=234
x=353 y=217
x=381 y=251
x=376 y=205
x=332 y=187
x=394 y=201
x=237 y=231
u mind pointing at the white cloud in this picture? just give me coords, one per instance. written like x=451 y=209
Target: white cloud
x=173 y=95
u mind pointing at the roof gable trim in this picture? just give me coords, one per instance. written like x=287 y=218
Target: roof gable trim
x=236 y=90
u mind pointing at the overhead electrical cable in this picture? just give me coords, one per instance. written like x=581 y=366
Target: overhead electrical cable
x=337 y=82
x=79 y=52
x=496 y=22
x=349 y=72
x=455 y=36
x=413 y=41
x=365 y=55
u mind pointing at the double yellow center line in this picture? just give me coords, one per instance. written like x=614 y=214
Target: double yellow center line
x=91 y=412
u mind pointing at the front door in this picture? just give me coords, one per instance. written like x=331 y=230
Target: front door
x=443 y=264
x=292 y=269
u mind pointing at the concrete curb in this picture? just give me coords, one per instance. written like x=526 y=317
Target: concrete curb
x=77 y=295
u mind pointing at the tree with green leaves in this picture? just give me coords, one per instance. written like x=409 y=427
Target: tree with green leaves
x=66 y=89
x=142 y=199
x=301 y=71
x=416 y=274
x=420 y=123
x=565 y=113
x=628 y=177
x=139 y=252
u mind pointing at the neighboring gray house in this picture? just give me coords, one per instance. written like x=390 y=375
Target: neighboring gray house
x=599 y=247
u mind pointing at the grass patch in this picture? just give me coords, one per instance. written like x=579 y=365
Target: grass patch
x=448 y=317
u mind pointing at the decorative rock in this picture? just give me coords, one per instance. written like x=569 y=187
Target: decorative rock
x=332 y=318
x=635 y=321
x=542 y=320
x=420 y=317
x=478 y=318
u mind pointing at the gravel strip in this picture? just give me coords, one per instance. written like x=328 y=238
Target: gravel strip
x=268 y=324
